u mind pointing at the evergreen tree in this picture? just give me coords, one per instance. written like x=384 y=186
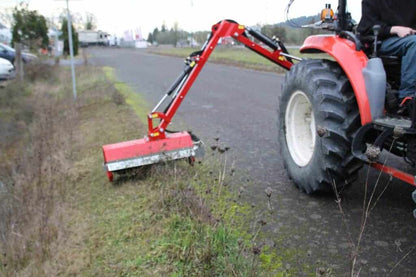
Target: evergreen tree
x=163 y=28
x=155 y=34
x=150 y=38
x=65 y=36
x=29 y=28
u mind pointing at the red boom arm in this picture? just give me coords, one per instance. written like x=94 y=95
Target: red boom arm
x=226 y=28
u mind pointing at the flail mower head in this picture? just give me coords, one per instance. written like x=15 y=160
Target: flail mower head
x=137 y=153
x=159 y=145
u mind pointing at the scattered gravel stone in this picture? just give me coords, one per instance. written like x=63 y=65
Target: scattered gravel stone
x=315 y=216
x=312 y=204
x=364 y=262
x=381 y=243
x=373 y=269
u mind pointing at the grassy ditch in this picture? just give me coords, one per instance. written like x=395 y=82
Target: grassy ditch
x=60 y=215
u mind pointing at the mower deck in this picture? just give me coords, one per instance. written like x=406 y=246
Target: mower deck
x=137 y=153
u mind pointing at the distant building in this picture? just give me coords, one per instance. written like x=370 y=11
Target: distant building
x=228 y=41
x=5 y=35
x=113 y=40
x=133 y=38
x=89 y=37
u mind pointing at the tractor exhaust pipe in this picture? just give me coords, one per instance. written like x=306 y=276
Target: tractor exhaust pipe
x=342 y=16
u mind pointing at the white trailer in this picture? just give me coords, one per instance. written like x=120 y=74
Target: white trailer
x=89 y=37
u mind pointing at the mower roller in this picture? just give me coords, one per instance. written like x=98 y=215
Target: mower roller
x=160 y=145
x=141 y=152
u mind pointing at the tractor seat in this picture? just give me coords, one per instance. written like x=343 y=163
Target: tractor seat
x=391 y=60
x=392 y=64
x=368 y=48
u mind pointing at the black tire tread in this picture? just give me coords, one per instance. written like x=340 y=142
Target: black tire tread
x=338 y=112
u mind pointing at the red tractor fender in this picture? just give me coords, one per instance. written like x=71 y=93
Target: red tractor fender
x=350 y=60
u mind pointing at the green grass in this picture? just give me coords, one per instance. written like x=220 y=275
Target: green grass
x=156 y=226
x=175 y=220
x=231 y=56
x=172 y=219
x=134 y=100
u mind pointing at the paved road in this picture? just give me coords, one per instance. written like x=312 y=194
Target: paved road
x=239 y=106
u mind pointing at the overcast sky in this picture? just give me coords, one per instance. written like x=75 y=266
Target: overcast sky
x=191 y=15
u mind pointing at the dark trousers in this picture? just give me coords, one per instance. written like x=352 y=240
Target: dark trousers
x=406 y=49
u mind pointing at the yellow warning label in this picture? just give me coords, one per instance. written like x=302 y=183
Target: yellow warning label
x=241 y=27
x=282 y=58
x=155 y=115
x=156 y=134
x=192 y=64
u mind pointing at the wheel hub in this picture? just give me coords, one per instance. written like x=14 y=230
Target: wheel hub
x=300 y=128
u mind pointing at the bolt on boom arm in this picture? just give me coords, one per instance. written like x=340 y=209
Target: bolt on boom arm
x=195 y=62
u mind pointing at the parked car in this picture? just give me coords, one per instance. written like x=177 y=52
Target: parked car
x=9 y=53
x=6 y=69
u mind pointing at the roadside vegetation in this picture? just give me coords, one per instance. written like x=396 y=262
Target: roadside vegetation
x=60 y=215
x=374 y=189
x=290 y=31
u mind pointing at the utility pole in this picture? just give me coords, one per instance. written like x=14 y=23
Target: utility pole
x=71 y=52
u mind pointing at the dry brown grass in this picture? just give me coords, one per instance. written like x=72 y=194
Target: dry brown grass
x=38 y=151
x=37 y=170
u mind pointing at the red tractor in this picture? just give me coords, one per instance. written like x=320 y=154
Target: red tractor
x=333 y=114
x=336 y=115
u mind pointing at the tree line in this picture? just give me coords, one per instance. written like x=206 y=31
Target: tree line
x=290 y=32
x=31 y=28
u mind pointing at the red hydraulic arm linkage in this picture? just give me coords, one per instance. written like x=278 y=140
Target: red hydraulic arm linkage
x=194 y=63
x=157 y=145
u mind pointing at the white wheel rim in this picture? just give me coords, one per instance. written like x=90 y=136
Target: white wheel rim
x=300 y=128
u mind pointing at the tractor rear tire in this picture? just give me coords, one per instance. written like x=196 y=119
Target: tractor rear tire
x=318 y=116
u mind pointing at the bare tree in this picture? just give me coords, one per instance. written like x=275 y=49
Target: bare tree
x=90 y=21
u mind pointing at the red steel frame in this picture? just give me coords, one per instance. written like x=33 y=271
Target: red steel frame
x=222 y=29
x=405 y=177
